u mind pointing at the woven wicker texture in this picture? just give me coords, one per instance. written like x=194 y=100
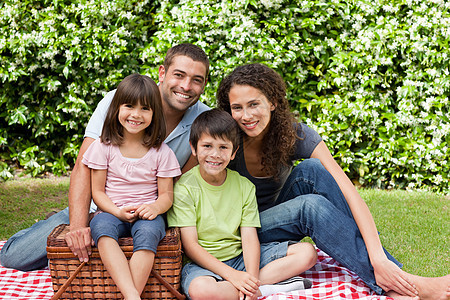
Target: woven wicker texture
x=94 y=282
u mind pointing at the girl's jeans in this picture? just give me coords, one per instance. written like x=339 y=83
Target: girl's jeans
x=312 y=204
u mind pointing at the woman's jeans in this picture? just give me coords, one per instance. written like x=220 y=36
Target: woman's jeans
x=312 y=204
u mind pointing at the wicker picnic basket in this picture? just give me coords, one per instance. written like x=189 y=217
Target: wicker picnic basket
x=92 y=281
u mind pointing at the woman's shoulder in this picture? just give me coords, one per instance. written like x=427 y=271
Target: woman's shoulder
x=307 y=141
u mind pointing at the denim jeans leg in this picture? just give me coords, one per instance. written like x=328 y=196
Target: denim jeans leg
x=332 y=231
x=311 y=177
x=26 y=250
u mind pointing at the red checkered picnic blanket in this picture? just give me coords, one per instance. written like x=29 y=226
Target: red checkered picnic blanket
x=330 y=281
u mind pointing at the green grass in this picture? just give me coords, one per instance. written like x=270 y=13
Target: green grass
x=24 y=202
x=414 y=226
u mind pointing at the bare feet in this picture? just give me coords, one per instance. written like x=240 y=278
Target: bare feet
x=397 y=296
x=432 y=288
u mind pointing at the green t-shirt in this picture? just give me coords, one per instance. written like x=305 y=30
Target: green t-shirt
x=218 y=212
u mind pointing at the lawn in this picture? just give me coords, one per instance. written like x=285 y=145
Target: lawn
x=414 y=226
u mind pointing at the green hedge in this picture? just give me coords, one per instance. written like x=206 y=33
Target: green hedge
x=57 y=59
x=370 y=76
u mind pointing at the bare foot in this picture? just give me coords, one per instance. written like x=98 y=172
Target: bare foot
x=397 y=296
x=432 y=288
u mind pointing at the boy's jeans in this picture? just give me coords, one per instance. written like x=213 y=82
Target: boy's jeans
x=26 y=250
x=311 y=204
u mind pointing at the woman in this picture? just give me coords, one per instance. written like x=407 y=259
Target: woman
x=316 y=199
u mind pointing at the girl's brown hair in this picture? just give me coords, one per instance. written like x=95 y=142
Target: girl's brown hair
x=135 y=89
x=279 y=141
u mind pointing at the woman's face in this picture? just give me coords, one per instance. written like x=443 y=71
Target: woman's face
x=250 y=108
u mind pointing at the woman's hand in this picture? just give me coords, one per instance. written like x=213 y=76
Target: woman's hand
x=245 y=283
x=390 y=277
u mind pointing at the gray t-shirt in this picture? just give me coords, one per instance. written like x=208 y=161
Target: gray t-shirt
x=267 y=189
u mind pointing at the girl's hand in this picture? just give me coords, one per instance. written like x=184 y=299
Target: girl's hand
x=127 y=214
x=390 y=277
x=148 y=211
x=245 y=283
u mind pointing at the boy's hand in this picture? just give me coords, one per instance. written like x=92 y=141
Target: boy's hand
x=127 y=214
x=148 y=211
x=245 y=283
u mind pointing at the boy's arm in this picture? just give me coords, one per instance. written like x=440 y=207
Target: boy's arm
x=251 y=252
x=251 y=249
x=243 y=281
x=162 y=204
x=102 y=200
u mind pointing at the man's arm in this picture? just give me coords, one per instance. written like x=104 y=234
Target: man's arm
x=79 y=237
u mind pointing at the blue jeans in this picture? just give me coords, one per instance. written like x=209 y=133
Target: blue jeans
x=146 y=234
x=269 y=252
x=312 y=204
x=26 y=250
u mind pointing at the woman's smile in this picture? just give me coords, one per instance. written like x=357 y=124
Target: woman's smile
x=251 y=109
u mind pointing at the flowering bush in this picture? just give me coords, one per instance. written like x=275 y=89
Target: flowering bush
x=370 y=76
x=57 y=58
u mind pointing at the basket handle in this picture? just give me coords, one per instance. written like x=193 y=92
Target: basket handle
x=63 y=288
x=168 y=286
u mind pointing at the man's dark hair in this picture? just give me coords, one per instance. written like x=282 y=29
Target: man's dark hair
x=192 y=51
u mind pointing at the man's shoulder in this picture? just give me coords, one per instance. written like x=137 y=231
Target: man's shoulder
x=197 y=109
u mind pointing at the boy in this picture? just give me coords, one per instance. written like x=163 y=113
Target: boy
x=217 y=212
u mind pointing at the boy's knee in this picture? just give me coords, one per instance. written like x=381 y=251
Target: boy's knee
x=306 y=252
x=202 y=288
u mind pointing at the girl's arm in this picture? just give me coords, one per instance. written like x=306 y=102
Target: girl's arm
x=251 y=250
x=103 y=202
x=388 y=275
x=162 y=204
x=242 y=281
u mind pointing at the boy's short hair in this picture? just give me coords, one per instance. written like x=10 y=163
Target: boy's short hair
x=216 y=123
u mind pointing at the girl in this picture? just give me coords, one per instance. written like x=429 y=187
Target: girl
x=132 y=182
x=316 y=199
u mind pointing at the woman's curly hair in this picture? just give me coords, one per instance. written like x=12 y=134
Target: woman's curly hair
x=279 y=141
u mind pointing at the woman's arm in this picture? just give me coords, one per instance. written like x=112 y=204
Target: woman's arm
x=242 y=281
x=162 y=204
x=387 y=274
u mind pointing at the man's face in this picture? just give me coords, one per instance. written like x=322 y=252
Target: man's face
x=182 y=83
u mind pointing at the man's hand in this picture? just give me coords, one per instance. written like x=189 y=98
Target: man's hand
x=79 y=242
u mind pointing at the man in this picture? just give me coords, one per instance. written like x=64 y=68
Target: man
x=182 y=79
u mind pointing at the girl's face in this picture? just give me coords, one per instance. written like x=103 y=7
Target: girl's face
x=251 y=109
x=135 y=118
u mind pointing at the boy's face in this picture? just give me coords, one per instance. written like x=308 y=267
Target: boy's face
x=213 y=155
